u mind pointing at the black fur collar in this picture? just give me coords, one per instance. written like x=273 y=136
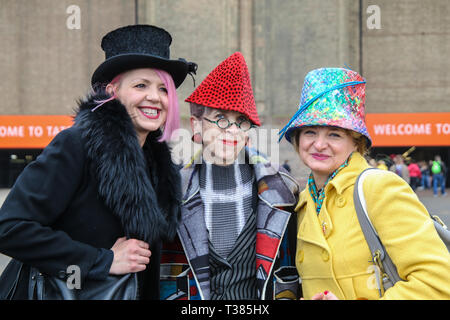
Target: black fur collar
x=148 y=209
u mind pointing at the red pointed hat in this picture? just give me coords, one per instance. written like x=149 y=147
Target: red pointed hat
x=228 y=87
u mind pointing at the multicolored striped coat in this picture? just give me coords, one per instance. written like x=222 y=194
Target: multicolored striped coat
x=185 y=271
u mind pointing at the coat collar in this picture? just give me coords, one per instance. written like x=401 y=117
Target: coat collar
x=275 y=188
x=309 y=228
x=139 y=185
x=347 y=176
x=344 y=179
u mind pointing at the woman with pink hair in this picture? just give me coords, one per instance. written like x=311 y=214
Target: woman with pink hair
x=105 y=192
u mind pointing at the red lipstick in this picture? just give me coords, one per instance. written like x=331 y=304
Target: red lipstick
x=149 y=112
x=229 y=142
x=320 y=156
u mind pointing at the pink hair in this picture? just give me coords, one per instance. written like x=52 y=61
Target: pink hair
x=173 y=112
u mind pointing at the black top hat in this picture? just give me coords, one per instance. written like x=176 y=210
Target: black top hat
x=139 y=46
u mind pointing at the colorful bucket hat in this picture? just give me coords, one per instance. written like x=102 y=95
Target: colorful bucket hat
x=228 y=87
x=331 y=97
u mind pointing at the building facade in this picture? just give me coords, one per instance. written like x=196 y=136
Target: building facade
x=51 y=48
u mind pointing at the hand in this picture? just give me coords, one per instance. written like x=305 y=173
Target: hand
x=130 y=255
x=326 y=295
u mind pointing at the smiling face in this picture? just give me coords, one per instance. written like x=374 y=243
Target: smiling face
x=324 y=149
x=220 y=146
x=144 y=95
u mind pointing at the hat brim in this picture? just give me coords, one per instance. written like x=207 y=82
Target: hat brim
x=116 y=65
x=291 y=130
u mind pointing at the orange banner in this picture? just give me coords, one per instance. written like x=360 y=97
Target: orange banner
x=386 y=129
x=409 y=129
x=31 y=131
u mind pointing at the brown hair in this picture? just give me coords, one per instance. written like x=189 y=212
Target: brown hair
x=359 y=140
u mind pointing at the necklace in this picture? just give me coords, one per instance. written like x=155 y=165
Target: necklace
x=318 y=195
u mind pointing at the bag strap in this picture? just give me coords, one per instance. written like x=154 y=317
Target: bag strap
x=385 y=271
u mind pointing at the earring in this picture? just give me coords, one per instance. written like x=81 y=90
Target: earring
x=197 y=138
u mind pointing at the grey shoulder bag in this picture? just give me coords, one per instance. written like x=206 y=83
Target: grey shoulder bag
x=385 y=271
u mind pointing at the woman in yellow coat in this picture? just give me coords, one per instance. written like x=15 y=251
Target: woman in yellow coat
x=333 y=258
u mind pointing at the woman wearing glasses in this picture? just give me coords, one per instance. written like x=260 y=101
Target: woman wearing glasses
x=235 y=209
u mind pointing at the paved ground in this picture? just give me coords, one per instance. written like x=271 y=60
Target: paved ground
x=439 y=205
x=436 y=205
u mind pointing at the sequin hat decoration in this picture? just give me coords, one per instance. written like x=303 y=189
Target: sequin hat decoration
x=228 y=87
x=331 y=97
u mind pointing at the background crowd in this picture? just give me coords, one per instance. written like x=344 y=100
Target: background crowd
x=421 y=175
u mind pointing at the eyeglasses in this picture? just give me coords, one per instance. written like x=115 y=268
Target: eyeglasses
x=224 y=123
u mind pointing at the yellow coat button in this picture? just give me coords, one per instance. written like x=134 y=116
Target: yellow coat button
x=340 y=202
x=325 y=255
x=300 y=256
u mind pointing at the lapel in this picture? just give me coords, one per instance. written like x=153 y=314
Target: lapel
x=189 y=178
x=192 y=230
x=275 y=190
x=347 y=176
x=271 y=224
x=309 y=229
x=311 y=225
x=272 y=188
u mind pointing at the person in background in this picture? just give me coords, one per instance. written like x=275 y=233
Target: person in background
x=414 y=174
x=439 y=172
x=372 y=162
x=333 y=259
x=286 y=165
x=400 y=168
x=425 y=172
x=381 y=164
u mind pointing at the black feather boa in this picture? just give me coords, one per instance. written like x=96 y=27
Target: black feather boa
x=140 y=185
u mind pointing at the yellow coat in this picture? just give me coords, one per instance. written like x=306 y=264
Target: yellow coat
x=332 y=253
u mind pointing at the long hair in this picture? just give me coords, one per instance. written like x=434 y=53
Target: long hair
x=173 y=113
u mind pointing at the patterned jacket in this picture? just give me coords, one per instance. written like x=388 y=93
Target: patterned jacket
x=185 y=262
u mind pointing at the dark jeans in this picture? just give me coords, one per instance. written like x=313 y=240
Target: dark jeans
x=425 y=181
x=414 y=182
x=438 y=181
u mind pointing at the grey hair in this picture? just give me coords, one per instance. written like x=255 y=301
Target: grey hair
x=198 y=110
